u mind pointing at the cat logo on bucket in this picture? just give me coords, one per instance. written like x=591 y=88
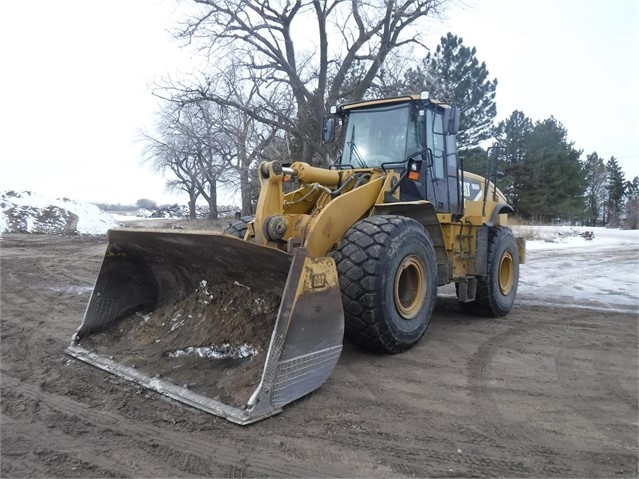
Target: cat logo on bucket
x=318 y=281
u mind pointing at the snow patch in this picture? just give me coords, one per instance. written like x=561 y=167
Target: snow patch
x=564 y=267
x=224 y=351
x=28 y=212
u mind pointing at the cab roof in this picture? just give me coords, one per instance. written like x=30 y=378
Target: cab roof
x=385 y=101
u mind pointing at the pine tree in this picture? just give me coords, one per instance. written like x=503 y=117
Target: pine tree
x=615 y=189
x=512 y=139
x=552 y=179
x=631 y=220
x=475 y=160
x=596 y=174
x=453 y=74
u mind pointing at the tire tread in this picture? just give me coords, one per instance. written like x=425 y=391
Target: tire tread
x=360 y=259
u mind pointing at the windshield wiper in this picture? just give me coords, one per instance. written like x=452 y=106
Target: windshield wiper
x=353 y=149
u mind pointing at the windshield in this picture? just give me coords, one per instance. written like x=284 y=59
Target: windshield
x=379 y=135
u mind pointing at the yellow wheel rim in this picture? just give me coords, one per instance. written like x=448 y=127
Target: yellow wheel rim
x=410 y=287
x=506 y=273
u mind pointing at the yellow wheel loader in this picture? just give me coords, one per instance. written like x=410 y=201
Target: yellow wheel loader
x=242 y=323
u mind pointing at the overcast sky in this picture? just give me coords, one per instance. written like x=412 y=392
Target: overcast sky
x=76 y=79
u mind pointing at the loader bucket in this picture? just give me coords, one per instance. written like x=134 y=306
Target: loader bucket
x=230 y=327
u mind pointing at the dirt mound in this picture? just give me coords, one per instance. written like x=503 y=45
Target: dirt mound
x=28 y=212
x=214 y=342
x=47 y=220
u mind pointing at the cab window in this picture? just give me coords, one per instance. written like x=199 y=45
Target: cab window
x=435 y=137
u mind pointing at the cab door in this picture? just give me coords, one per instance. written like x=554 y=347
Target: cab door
x=443 y=187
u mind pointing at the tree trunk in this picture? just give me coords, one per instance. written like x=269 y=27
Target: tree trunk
x=307 y=154
x=245 y=192
x=192 y=200
x=212 y=200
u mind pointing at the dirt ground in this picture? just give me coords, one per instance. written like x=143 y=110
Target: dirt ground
x=546 y=392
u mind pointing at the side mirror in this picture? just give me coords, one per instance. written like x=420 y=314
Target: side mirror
x=329 y=124
x=451 y=121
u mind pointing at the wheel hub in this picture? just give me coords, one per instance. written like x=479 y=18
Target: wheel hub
x=410 y=287
x=506 y=273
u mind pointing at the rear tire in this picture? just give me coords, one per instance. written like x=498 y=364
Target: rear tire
x=388 y=278
x=238 y=227
x=496 y=291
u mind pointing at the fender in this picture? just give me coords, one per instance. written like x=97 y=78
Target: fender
x=501 y=208
x=425 y=213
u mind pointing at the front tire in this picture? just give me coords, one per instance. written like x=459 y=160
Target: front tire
x=388 y=278
x=496 y=291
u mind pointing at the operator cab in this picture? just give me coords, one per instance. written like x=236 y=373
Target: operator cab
x=390 y=134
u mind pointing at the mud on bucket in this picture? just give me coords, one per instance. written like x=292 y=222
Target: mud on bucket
x=232 y=328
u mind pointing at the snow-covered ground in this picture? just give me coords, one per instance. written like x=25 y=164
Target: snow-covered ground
x=565 y=268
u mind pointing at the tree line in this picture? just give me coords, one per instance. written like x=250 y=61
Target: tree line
x=275 y=67
x=544 y=178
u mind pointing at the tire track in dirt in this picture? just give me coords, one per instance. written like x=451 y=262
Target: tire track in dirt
x=177 y=449
x=367 y=373
x=313 y=406
x=511 y=435
x=528 y=437
x=617 y=391
x=410 y=449
x=428 y=458
x=605 y=420
x=41 y=438
x=607 y=363
x=57 y=432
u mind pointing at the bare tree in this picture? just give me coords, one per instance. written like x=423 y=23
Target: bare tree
x=265 y=39
x=208 y=145
x=209 y=148
x=194 y=150
x=169 y=153
x=246 y=138
x=229 y=134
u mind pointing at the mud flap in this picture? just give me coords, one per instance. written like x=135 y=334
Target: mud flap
x=144 y=270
